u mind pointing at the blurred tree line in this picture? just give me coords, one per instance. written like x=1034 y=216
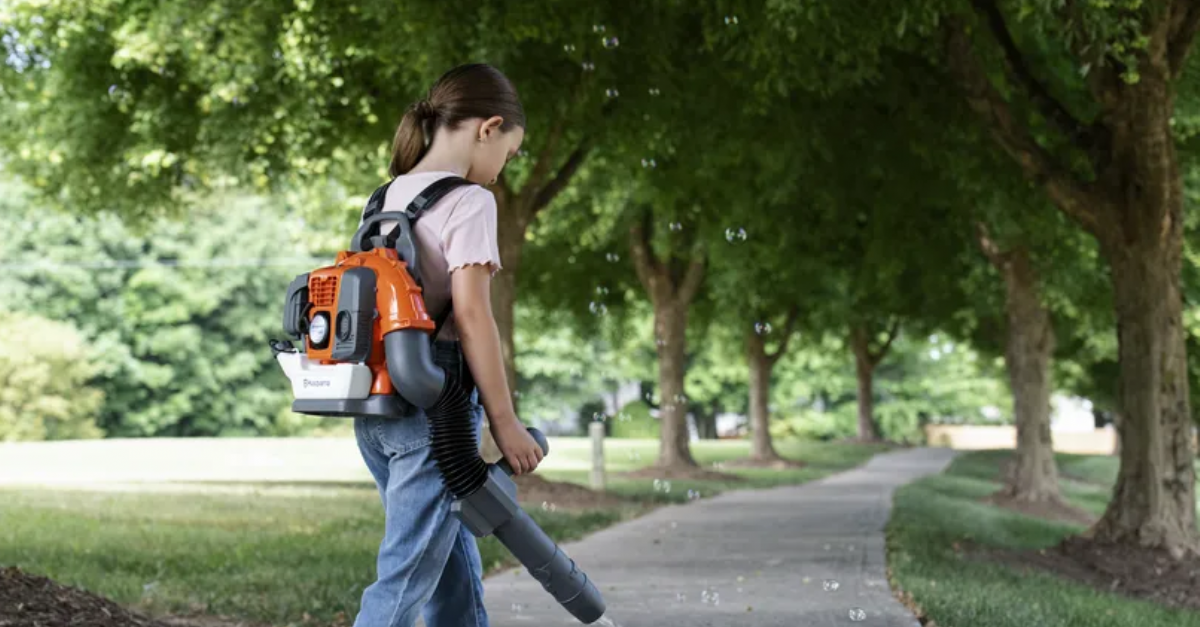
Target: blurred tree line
x=159 y=328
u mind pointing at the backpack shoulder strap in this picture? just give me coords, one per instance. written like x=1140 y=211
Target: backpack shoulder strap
x=375 y=202
x=402 y=238
x=430 y=195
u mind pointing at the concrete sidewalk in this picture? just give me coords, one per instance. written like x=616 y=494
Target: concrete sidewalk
x=744 y=558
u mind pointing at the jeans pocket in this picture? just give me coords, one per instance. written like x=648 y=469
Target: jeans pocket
x=400 y=436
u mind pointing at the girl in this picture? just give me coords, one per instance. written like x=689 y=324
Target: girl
x=470 y=125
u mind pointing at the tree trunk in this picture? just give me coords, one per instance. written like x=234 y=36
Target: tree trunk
x=706 y=421
x=864 y=368
x=761 y=447
x=670 y=326
x=671 y=296
x=1030 y=344
x=1154 y=501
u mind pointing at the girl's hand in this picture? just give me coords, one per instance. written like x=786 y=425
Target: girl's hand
x=519 y=448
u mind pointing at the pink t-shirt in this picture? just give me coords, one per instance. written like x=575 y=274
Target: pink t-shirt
x=459 y=230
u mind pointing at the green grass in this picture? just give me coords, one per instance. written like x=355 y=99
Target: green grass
x=277 y=553
x=931 y=514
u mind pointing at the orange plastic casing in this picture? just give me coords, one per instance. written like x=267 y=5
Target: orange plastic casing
x=398 y=301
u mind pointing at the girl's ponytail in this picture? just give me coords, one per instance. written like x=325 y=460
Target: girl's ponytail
x=474 y=90
x=409 y=144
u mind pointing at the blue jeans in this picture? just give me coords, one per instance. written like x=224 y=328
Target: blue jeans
x=428 y=561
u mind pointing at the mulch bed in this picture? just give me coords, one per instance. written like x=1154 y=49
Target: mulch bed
x=32 y=601
x=677 y=473
x=774 y=464
x=1058 y=510
x=1145 y=574
x=533 y=490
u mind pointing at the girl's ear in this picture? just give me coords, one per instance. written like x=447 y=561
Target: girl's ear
x=490 y=127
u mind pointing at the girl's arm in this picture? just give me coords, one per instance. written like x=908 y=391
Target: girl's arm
x=470 y=289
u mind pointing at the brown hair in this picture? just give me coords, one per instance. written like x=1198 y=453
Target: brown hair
x=474 y=90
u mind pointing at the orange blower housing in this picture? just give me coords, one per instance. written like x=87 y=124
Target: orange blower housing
x=362 y=298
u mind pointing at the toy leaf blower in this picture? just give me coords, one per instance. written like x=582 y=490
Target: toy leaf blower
x=367 y=351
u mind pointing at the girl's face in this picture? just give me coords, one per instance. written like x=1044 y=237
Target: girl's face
x=493 y=149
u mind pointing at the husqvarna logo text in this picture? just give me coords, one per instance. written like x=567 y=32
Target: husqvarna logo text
x=317 y=383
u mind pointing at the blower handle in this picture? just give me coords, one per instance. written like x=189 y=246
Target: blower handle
x=537 y=437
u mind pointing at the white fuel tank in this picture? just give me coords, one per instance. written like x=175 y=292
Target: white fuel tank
x=312 y=380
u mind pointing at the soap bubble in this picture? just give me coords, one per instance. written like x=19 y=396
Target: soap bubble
x=830 y=585
x=610 y=42
x=598 y=308
x=612 y=92
x=762 y=328
x=732 y=234
x=858 y=614
x=612 y=257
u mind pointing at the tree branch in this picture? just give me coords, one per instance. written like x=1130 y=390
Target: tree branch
x=561 y=179
x=877 y=356
x=990 y=250
x=1054 y=110
x=1185 y=24
x=694 y=276
x=789 y=328
x=1072 y=196
x=643 y=257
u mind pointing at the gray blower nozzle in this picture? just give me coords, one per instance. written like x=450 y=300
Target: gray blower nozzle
x=493 y=509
